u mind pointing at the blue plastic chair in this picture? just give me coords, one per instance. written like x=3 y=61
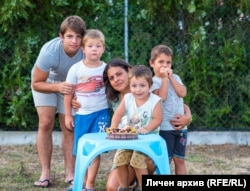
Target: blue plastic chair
x=93 y=144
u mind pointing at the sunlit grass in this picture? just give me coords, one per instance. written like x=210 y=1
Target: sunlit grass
x=19 y=166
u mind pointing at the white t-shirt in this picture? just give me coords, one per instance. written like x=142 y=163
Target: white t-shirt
x=89 y=87
x=140 y=116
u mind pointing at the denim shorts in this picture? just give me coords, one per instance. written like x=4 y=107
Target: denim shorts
x=176 y=142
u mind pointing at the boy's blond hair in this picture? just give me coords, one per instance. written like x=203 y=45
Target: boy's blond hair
x=93 y=34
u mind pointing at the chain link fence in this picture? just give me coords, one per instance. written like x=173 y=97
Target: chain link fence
x=211 y=55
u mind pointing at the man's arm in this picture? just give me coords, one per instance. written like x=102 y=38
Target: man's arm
x=39 y=83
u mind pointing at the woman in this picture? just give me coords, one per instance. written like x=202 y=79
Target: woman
x=115 y=77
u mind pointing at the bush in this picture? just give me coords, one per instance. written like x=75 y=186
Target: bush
x=210 y=41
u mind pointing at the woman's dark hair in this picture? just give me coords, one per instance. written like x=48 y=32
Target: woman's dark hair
x=111 y=93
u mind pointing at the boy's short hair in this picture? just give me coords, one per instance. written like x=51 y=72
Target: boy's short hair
x=159 y=49
x=75 y=23
x=93 y=34
x=138 y=71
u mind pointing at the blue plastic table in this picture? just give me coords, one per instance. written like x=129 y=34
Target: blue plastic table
x=93 y=144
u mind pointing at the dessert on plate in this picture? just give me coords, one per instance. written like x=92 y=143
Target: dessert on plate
x=125 y=133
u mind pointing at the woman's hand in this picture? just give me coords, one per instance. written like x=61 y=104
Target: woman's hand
x=180 y=121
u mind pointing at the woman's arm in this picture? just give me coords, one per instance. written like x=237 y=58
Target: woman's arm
x=180 y=121
x=118 y=114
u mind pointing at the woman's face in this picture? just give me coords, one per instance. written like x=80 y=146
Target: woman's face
x=118 y=78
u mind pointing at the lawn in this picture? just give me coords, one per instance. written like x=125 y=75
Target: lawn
x=19 y=166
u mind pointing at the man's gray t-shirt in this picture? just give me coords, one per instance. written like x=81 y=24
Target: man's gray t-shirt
x=53 y=59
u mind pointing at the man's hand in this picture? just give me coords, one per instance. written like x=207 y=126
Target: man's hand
x=65 y=88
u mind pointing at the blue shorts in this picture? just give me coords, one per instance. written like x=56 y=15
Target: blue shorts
x=90 y=123
x=176 y=142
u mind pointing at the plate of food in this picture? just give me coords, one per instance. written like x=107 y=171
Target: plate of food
x=127 y=133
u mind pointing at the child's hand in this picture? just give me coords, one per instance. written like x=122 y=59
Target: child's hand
x=69 y=123
x=124 y=129
x=75 y=104
x=164 y=72
x=142 y=131
x=169 y=72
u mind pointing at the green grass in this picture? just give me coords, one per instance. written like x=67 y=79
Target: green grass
x=19 y=165
x=195 y=158
x=20 y=168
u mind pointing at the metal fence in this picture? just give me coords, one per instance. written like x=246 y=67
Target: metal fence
x=204 y=56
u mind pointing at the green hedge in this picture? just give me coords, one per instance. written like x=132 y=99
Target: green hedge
x=210 y=42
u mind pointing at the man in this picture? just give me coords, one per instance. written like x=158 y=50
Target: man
x=48 y=88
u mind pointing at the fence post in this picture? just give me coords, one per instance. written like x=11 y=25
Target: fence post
x=126 y=29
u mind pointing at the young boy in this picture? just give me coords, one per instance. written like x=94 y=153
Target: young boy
x=171 y=89
x=144 y=111
x=49 y=87
x=87 y=78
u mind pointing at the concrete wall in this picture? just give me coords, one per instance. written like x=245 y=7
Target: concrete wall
x=194 y=138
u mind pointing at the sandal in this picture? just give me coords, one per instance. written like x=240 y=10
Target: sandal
x=42 y=183
x=137 y=189
x=71 y=189
x=133 y=185
x=70 y=182
x=122 y=189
